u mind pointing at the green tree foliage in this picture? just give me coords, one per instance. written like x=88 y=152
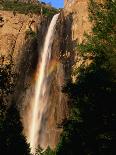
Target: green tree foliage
x=6 y=86
x=30 y=34
x=48 y=151
x=91 y=128
x=11 y=139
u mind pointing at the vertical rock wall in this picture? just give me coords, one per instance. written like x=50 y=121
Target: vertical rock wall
x=75 y=23
x=13 y=32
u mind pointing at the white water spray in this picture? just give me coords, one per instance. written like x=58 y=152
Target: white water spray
x=40 y=99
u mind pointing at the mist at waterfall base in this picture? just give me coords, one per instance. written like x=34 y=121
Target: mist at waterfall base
x=35 y=114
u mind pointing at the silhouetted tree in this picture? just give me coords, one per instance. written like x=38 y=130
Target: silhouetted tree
x=91 y=128
x=11 y=139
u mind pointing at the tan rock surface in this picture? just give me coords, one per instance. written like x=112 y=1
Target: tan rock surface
x=76 y=14
x=13 y=31
x=80 y=21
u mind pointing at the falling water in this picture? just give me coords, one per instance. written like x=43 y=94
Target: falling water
x=41 y=96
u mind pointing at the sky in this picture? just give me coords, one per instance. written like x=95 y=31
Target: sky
x=55 y=3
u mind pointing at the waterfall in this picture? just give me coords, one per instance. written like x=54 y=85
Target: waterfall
x=40 y=100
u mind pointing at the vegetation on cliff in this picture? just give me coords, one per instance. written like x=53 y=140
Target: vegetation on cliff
x=90 y=129
x=26 y=8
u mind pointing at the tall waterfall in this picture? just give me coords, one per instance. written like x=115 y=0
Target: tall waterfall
x=40 y=101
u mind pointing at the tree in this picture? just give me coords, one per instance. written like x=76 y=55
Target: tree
x=90 y=129
x=11 y=139
x=47 y=151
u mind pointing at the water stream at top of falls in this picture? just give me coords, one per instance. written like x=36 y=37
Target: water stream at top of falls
x=40 y=99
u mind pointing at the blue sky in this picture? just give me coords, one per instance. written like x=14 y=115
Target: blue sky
x=55 y=3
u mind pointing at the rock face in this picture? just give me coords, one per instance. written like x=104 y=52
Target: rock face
x=75 y=22
x=78 y=9
x=13 y=31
